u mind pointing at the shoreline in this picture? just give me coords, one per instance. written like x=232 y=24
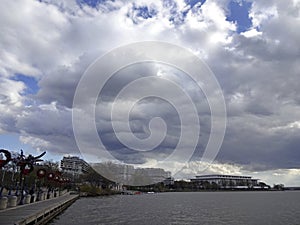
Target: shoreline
x=138 y=192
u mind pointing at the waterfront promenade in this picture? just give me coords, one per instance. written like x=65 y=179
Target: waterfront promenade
x=36 y=213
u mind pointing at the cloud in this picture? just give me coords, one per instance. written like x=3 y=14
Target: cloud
x=31 y=42
x=258 y=71
x=11 y=103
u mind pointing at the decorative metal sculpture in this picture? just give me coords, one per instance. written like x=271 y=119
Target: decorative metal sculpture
x=50 y=176
x=26 y=163
x=7 y=155
x=41 y=173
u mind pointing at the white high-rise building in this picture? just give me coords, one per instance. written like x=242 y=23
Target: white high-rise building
x=74 y=165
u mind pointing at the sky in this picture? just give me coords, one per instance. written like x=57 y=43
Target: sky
x=251 y=47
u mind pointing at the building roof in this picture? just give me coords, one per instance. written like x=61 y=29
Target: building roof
x=221 y=176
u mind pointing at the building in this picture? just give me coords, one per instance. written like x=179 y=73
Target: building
x=74 y=165
x=129 y=175
x=155 y=175
x=225 y=182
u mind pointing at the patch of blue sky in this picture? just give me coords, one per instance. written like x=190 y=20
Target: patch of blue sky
x=178 y=17
x=172 y=6
x=191 y=3
x=30 y=82
x=91 y=3
x=12 y=143
x=239 y=14
x=103 y=5
x=144 y=11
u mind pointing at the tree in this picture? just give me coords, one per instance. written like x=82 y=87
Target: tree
x=94 y=178
x=279 y=187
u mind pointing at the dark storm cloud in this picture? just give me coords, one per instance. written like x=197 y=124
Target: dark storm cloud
x=59 y=85
x=260 y=150
x=143 y=111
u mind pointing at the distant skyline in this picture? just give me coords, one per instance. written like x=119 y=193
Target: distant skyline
x=251 y=46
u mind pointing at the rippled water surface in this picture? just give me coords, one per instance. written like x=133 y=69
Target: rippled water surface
x=186 y=208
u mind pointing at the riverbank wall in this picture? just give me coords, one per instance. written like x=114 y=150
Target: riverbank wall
x=37 y=213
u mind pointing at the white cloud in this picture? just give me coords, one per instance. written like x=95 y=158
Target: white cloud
x=251 y=33
x=11 y=103
x=32 y=40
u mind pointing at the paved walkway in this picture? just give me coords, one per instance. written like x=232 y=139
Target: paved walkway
x=13 y=215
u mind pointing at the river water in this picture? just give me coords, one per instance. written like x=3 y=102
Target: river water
x=186 y=208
